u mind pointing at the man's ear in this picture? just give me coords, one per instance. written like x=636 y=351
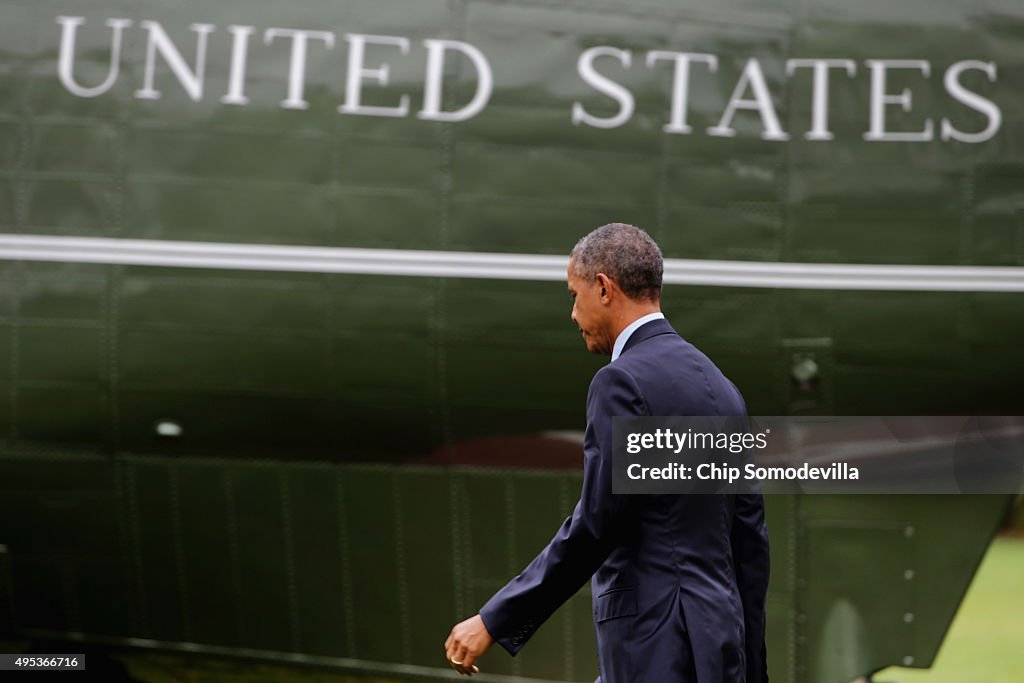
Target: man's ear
x=604 y=283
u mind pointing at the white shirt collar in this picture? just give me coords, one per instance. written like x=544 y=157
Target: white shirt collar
x=620 y=341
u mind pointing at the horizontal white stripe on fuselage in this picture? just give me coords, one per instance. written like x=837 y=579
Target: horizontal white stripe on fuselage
x=466 y=264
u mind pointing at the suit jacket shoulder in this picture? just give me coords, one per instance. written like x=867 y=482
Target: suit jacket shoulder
x=614 y=386
x=674 y=376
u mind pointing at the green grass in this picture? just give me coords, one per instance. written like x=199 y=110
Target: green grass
x=984 y=644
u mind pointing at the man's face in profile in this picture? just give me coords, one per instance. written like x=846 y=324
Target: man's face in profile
x=588 y=312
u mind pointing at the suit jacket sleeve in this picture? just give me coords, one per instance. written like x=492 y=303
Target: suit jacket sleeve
x=750 y=554
x=587 y=536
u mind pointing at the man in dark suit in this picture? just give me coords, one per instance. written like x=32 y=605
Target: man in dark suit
x=679 y=581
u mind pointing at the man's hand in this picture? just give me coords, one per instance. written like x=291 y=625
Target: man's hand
x=467 y=641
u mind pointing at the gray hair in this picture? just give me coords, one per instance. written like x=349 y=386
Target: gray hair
x=624 y=253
